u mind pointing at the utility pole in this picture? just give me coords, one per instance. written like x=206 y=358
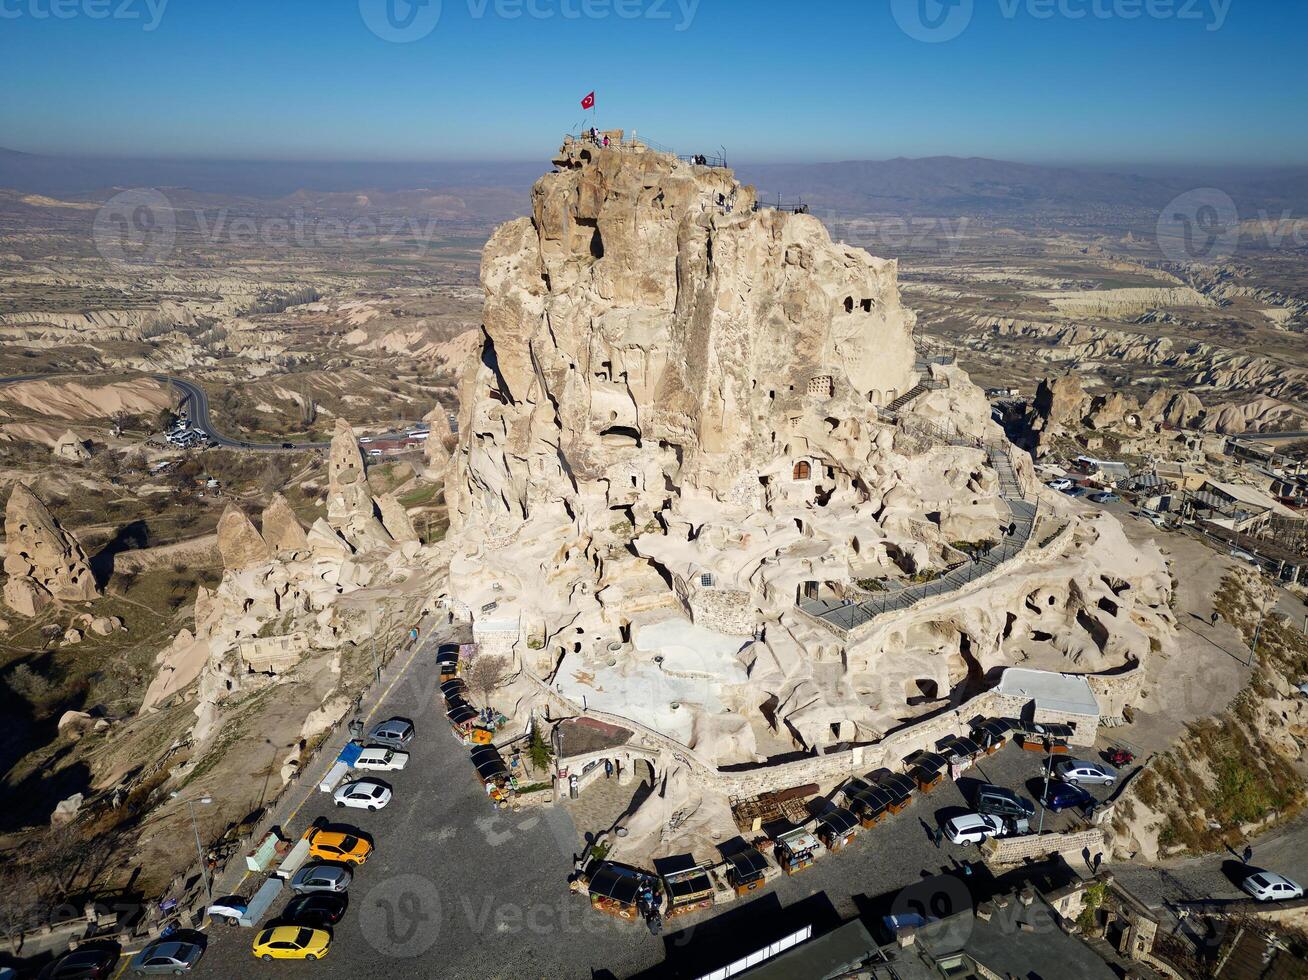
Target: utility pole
x=199 y=850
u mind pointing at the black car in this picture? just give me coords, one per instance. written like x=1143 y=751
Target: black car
x=315 y=909
x=1063 y=796
x=288 y=445
x=87 y=963
x=1003 y=802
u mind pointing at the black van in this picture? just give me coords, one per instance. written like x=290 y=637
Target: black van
x=1003 y=803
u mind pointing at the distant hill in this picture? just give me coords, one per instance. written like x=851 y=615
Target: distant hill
x=956 y=185
x=494 y=190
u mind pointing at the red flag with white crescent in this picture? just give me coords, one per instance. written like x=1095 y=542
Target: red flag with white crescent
x=589 y=101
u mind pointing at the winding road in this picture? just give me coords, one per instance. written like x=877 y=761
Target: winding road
x=195 y=401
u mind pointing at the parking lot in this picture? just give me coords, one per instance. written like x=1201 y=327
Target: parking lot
x=455 y=888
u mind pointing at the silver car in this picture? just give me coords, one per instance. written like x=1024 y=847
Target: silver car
x=1078 y=771
x=320 y=878
x=394 y=733
x=167 y=956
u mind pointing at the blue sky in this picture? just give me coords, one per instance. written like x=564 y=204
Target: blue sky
x=1199 y=81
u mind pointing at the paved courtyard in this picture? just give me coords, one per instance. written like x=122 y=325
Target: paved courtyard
x=457 y=889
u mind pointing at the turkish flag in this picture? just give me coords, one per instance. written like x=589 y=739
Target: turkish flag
x=589 y=101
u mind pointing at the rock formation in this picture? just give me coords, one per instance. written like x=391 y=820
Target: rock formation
x=71 y=446
x=281 y=529
x=41 y=558
x=350 y=507
x=238 y=542
x=677 y=456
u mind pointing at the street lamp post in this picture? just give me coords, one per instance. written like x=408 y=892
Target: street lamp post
x=199 y=850
x=1049 y=765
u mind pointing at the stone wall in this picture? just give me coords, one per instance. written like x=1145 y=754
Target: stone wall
x=723 y=610
x=1017 y=850
x=273 y=654
x=1115 y=691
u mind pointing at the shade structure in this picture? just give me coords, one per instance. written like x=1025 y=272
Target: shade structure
x=748 y=865
x=455 y=688
x=460 y=713
x=958 y=745
x=489 y=765
x=899 y=785
x=683 y=878
x=616 y=883
x=838 y=822
x=925 y=766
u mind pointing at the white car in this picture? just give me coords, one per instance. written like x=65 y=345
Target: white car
x=364 y=440
x=1078 y=772
x=228 y=910
x=363 y=795
x=1062 y=483
x=973 y=828
x=1267 y=886
x=381 y=759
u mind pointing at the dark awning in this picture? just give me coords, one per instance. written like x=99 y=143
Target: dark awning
x=993 y=729
x=872 y=801
x=839 y=821
x=899 y=785
x=460 y=713
x=454 y=688
x=1052 y=730
x=926 y=765
x=682 y=876
x=617 y=883
x=489 y=765
x=447 y=656
x=748 y=863
x=958 y=745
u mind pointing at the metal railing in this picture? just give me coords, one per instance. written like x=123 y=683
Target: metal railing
x=845 y=615
x=632 y=141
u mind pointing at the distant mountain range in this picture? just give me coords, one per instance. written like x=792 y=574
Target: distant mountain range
x=930 y=185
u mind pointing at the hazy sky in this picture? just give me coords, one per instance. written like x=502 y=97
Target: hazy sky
x=1039 y=80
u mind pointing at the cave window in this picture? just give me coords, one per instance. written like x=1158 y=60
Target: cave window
x=820 y=386
x=866 y=305
x=849 y=304
x=802 y=470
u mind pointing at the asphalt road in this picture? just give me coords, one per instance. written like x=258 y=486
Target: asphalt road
x=196 y=403
x=457 y=889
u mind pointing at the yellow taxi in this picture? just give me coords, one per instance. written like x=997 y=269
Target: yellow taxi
x=332 y=845
x=292 y=943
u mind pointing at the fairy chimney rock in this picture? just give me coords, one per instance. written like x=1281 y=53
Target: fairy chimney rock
x=395 y=518
x=282 y=530
x=238 y=542
x=41 y=558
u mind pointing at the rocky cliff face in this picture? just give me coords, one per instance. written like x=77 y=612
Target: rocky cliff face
x=646 y=326
x=43 y=560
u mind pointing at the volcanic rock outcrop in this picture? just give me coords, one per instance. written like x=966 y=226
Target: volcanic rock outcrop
x=42 y=560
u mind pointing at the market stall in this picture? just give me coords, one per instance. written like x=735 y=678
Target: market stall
x=462 y=717
x=992 y=733
x=837 y=828
x=454 y=688
x=926 y=770
x=868 y=803
x=1051 y=738
x=796 y=850
x=616 y=889
x=746 y=870
x=686 y=884
x=900 y=787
